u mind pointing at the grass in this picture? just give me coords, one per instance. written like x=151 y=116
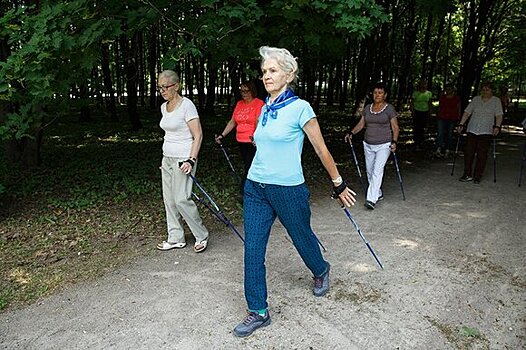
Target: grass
x=94 y=204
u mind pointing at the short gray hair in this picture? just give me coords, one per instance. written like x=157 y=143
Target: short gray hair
x=170 y=75
x=285 y=60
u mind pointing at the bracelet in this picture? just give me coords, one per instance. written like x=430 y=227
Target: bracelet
x=190 y=161
x=337 y=180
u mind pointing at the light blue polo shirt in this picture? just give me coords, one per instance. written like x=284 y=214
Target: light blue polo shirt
x=279 y=145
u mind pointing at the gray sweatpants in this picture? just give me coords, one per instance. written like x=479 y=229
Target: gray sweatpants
x=177 y=192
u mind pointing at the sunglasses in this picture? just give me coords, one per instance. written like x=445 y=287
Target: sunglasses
x=164 y=88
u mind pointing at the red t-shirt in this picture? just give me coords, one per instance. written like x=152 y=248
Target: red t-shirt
x=449 y=108
x=246 y=117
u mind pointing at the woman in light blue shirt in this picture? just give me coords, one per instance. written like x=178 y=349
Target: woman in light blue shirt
x=275 y=185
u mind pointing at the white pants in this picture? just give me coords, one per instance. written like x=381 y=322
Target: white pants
x=177 y=193
x=375 y=158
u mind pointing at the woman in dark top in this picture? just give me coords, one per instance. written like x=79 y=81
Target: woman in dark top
x=381 y=135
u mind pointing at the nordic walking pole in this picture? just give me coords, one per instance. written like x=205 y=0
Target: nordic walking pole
x=523 y=161
x=399 y=175
x=217 y=212
x=230 y=163
x=456 y=154
x=371 y=250
x=494 y=160
x=357 y=167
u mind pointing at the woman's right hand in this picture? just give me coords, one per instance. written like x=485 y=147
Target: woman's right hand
x=348 y=137
x=218 y=138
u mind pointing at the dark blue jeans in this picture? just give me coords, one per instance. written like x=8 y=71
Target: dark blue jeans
x=262 y=203
x=445 y=134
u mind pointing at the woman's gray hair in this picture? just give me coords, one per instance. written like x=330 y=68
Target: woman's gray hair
x=170 y=75
x=285 y=60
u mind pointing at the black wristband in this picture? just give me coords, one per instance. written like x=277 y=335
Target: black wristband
x=189 y=161
x=337 y=190
x=496 y=126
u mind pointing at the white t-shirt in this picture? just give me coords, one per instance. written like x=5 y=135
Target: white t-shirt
x=483 y=115
x=178 y=138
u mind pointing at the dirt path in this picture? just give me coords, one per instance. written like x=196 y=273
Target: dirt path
x=454 y=278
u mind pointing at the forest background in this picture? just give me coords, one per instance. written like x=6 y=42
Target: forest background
x=79 y=186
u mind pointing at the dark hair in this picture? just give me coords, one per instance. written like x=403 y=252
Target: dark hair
x=486 y=84
x=251 y=86
x=448 y=85
x=380 y=86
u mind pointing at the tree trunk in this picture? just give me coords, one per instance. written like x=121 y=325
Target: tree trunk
x=425 y=51
x=85 y=112
x=130 y=53
x=152 y=64
x=108 y=86
x=211 y=88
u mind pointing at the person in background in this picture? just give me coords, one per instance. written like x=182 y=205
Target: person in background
x=447 y=117
x=485 y=122
x=381 y=137
x=420 y=109
x=275 y=185
x=244 y=119
x=504 y=98
x=182 y=141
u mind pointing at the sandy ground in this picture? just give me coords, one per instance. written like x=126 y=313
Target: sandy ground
x=454 y=278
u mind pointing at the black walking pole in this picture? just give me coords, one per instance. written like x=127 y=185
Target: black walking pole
x=456 y=154
x=523 y=161
x=371 y=250
x=360 y=178
x=399 y=175
x=214 y=208
x=230 y=163
x=494 y=160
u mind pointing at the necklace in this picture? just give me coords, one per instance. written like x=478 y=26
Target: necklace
x=380 y=111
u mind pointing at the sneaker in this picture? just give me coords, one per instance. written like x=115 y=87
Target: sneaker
x=381 y=198
x=252 y=321
x=438 y=153
x=369 y=205
x=321 y=284
x=476 y=181
x=447 y=154
x=466 y=178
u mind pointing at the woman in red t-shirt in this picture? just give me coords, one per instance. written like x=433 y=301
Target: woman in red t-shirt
x=244 y=119
x=448 y=116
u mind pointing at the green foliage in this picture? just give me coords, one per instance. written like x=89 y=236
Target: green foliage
x=52 y=49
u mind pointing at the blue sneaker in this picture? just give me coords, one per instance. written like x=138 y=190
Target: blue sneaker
x=252 y=321
x=321 y=284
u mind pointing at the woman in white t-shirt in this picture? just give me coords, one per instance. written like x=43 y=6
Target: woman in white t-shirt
x=485 y=121
x=182 y=141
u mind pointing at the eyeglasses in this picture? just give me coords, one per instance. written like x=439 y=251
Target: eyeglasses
x=164 y=88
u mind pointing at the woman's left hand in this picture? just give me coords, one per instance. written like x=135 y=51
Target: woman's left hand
x=186 y=166
x=393 y=147
x=347 y=197
x=344 y=194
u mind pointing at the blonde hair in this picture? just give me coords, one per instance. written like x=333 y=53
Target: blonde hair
x=285 y=60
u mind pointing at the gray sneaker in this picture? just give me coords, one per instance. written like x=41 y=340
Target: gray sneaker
x=321 y=284
x=252 y=321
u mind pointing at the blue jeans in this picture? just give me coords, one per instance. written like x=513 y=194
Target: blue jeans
x=445 y=134
x=262 y=203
